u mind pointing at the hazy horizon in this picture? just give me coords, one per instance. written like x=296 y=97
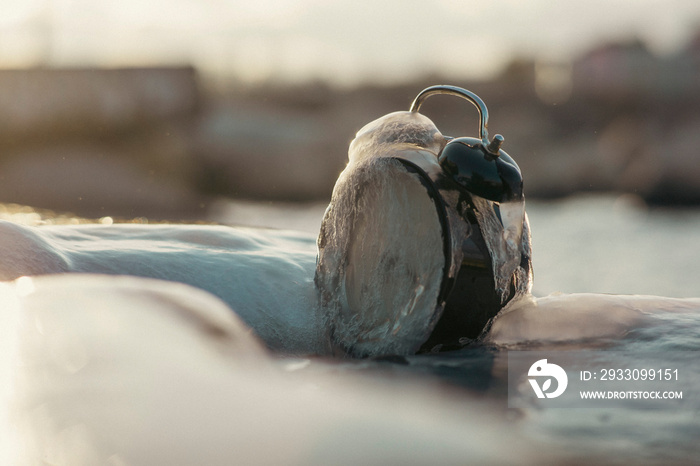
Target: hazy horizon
x=338 y=41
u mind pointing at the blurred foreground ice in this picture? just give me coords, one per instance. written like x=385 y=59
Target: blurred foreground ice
x=104 y=370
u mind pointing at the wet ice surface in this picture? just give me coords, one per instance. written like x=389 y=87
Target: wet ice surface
x=581 y=245
x=120 y=370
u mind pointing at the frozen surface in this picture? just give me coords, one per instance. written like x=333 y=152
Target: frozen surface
x=119 y=370
x=266 y=276
x=152 y=337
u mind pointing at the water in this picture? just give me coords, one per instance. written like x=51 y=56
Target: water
x=585 y=244
x=591 y=244
x=456 y=402
x=607 y=244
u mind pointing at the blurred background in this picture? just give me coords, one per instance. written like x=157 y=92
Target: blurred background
x=162 y=109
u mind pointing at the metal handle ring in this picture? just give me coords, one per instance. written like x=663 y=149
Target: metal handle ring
x=492 y=146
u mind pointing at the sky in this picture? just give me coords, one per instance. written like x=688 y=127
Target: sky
x=341 y=41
